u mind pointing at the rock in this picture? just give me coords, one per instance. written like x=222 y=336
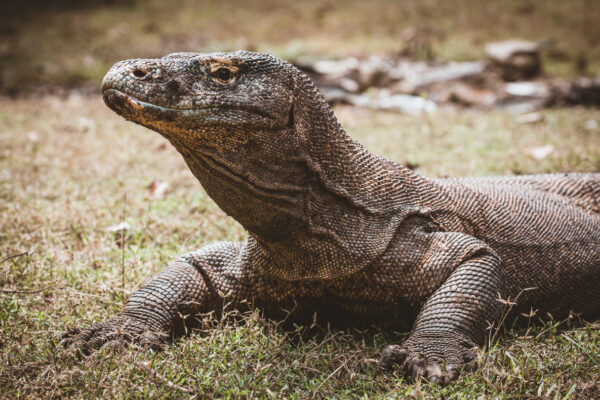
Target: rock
x=336 y=68
x=582 y=90
x=445 y=73
x=522 y=105
x=515 y=59
x=384 y=100
x=530 y=118
x=528 y=89
x=539 y=152
x=471 y=96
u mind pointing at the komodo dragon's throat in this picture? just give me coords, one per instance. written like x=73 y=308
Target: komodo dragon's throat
x=342 y=232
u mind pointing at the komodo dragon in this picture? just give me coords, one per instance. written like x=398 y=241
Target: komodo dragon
x=341 y=232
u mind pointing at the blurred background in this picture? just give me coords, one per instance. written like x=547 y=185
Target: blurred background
x=71 y=43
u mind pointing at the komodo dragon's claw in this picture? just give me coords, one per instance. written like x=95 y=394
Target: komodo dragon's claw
x=115 y=333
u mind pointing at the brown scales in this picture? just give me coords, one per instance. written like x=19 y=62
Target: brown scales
x=336 y=230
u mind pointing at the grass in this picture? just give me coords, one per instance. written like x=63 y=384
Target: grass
x=70 y=169
x=68 y=43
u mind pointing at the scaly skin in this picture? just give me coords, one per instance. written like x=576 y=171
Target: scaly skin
x=336 y=230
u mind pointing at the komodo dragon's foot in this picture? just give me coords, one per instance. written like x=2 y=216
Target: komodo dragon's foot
x=435 y=359
x=116 y=332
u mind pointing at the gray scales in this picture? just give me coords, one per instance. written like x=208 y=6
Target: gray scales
x=336 y=230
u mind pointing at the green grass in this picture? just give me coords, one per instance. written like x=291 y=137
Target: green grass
x=70 y=169
x=76 y=43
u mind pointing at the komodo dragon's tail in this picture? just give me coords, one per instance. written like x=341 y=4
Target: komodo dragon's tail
x=581 y=188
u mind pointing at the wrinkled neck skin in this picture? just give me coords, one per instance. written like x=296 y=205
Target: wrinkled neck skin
x=314 y=200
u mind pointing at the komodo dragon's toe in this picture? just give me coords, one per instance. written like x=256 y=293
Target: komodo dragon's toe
x=437 y=361
x=114 y=333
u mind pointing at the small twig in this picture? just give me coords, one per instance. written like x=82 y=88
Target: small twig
x=123 y=232
x=330 y=375
x=73 y=291
x=167 y=382
x=590 y=356
x=311 y=369
x=14 y=256
x=507 y=311
x=28 y=291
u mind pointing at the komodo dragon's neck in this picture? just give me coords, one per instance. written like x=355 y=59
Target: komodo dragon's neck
x=321 y=199
x=317 y=202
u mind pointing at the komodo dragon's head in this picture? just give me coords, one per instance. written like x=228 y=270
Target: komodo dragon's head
x=191 y=96
x=246 y=124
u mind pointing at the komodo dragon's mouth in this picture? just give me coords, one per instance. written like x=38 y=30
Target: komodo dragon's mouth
x=123 y=103
x=129 y=106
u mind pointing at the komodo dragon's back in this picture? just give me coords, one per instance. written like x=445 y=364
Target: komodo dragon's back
x=580 y=189
x=546 y=230
x=333 y=227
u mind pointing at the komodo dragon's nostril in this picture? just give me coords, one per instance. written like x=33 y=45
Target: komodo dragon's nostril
x=140 y=73
x=173 y=87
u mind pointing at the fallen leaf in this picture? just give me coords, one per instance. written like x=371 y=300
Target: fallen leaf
x=530 y=118
x=157 y=188
x=539 y=152
x=123 y=226
x=590 y=125
x=86 y=124
x=33 y=137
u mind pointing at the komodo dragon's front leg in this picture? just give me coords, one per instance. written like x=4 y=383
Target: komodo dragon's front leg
x=466 y=278
x=193 y=284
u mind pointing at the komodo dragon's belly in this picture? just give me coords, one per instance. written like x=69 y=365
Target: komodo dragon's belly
x=357 y=300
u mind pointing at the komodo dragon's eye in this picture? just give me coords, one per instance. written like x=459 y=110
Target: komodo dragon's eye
x=224 y=74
